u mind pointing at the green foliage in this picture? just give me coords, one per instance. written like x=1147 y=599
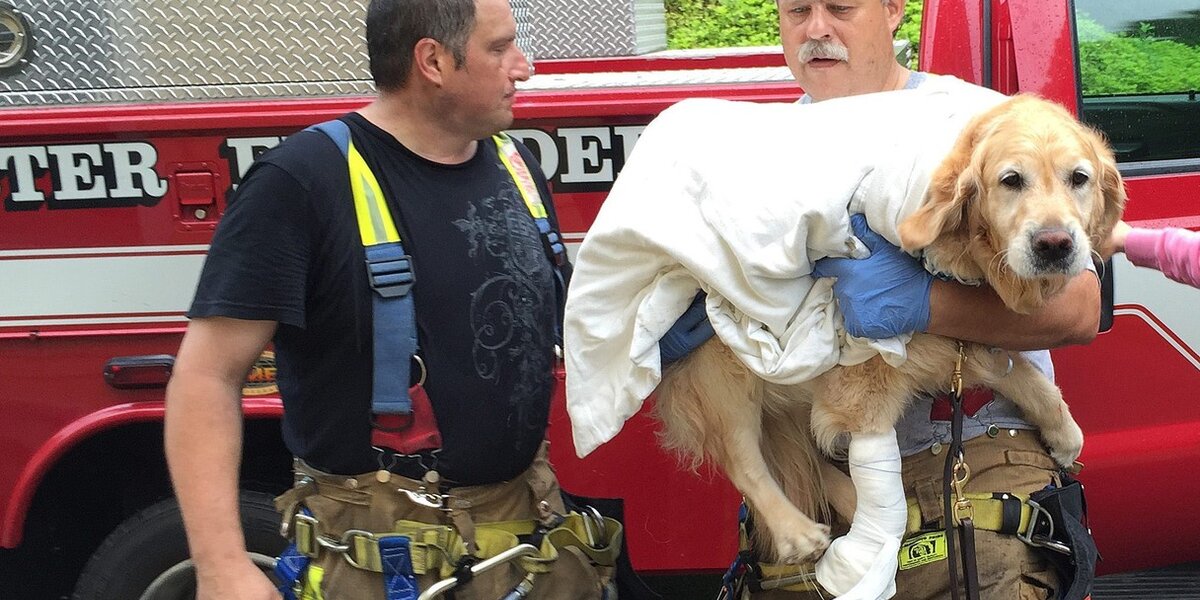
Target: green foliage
x=910 y=28
x=1131 y=62
x=1134 y=62
x=730 y=23
x=721 y=23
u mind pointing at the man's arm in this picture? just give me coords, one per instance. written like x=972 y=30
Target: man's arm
x=890 y=293
x=977 y=314
x=204 y=446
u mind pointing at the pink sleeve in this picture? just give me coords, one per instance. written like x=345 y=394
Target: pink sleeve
x=1175 y=252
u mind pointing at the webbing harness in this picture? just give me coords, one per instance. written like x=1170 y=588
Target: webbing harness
x=394 y=338
x=1001 y=512
x=390 y=275
x=413 y=548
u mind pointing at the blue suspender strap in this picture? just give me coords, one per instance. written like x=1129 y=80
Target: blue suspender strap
x=395 y=554
x=289 y=568
x=395 y=331
x=390 y=274
x=337 y=131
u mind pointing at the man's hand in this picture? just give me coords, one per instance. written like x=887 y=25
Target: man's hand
x=689 y=331
x=245 y=582
x=883 y=295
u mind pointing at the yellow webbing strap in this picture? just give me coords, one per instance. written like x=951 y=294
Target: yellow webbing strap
x=375 y=224
x=438 y=548
x=511 y=157
x=313 y=577
x=434 y=548
x=988 y=513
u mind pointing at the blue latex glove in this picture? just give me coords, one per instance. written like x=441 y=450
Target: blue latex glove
x=689 y=331
x=883 y=295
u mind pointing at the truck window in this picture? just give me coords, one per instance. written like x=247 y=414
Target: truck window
x=1140 y=75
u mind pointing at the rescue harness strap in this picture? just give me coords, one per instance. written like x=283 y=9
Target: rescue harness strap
x=1001 y=512
x=390 y=275
x=390 y=269
x=414 y=548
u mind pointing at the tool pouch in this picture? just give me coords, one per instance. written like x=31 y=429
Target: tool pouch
x=408 y=434
x=1067 y=510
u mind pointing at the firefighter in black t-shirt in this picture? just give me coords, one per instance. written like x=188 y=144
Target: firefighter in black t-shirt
x=372 y=519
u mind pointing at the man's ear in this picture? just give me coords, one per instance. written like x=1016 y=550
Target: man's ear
x=895 y=13
x=428 y=61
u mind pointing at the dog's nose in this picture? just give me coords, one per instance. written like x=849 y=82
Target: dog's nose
x=1052 y=245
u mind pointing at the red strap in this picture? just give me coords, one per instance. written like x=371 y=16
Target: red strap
x=973 y=400
x=408 y=434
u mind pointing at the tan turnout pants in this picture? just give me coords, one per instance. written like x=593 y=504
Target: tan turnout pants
x=1009 y=569
x=362 y=502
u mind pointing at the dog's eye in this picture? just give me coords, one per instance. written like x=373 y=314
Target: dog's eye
x=1012 y=180
x=1078 y=178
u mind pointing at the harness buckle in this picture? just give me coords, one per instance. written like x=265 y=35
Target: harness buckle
x=1037 y=540
x=390 y=274
x=307 y=535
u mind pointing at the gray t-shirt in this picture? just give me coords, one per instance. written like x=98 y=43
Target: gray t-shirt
x=915 y=431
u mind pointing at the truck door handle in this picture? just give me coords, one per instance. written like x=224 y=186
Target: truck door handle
x=197 y=194
x=139 y=372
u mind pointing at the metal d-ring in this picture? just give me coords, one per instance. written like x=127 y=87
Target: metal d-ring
x=424 y=371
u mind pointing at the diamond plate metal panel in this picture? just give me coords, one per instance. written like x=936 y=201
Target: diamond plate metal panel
x=169 y=50
x=591 y=28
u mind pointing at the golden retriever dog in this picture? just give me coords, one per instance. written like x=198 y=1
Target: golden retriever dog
x=1024 y=199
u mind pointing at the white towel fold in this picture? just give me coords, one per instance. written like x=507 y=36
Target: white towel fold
x=738 y=199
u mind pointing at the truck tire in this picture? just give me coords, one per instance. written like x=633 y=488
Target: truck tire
x=146 y=556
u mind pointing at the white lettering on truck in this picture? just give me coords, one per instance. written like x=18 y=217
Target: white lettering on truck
x=92 y=174
x=581 y=159
x=574 y=159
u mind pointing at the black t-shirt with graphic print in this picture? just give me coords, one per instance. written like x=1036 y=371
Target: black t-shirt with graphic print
x=288 y=250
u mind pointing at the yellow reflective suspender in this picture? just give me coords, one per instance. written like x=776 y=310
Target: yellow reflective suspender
x=375 y=224
x=390 y=269
x=511 y=157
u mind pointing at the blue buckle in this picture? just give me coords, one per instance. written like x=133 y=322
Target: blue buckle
x=389 y=271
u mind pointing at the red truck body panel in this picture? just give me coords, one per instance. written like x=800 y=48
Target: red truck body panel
x=1131 y=390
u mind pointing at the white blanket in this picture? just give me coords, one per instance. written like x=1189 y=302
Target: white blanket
x=738 y=199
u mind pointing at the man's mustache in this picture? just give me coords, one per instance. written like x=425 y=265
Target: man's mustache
x=829 y=49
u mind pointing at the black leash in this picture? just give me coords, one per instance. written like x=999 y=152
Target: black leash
x=954 y=501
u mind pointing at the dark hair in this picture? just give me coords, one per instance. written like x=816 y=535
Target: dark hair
x=395 y=26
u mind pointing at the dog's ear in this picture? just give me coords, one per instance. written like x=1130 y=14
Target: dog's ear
x=955 y=183
x=1112 y=191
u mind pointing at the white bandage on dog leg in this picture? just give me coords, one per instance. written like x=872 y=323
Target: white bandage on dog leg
x=861 y=565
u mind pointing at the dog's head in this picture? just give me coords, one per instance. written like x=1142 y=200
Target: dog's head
x=1024 y=199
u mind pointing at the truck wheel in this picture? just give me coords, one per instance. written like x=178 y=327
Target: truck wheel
x=146 y=557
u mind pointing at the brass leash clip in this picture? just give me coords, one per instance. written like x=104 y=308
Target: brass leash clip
x=956 y=380
x=960 y=476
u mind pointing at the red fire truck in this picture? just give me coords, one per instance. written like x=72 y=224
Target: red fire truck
x=126 y=125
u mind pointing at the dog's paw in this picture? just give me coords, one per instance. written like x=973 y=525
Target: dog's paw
x=1065 y=442
x=800 y=544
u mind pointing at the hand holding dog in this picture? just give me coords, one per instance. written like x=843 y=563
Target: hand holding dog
x=883 y=295
x=689 y=331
